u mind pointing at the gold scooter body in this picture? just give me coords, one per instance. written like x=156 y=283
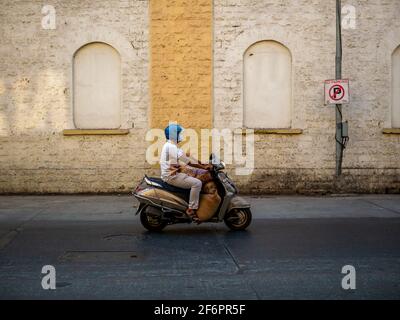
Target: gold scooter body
x=161 y=204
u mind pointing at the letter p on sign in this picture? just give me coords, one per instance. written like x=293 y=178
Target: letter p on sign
x=337 y=91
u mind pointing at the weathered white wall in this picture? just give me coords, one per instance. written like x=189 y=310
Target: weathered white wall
x=396 y=88
x=36 y=89
x=307 y=28
x=36 y=94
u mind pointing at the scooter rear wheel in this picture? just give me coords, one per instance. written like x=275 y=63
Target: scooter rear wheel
x=238 y=219
x=151 y=222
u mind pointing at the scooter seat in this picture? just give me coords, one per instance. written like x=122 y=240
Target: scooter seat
x=168 y=187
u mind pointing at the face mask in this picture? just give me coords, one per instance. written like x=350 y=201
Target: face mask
x=180 y=137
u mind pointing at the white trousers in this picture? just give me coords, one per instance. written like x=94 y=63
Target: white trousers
x=184 y=181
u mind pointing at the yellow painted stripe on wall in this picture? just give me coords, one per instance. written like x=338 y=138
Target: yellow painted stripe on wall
x=181 y=63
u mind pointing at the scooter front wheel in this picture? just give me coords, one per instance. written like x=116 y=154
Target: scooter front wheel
x=151 y=222
x=238 y=219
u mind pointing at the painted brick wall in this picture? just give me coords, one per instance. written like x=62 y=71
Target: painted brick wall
x=181 y=62
x=36 y=91
x=306 y=162
x=36 y=88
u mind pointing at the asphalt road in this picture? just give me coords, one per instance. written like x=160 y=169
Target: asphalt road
x=294 y=249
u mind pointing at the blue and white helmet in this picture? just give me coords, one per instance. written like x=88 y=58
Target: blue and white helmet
x=173 y=132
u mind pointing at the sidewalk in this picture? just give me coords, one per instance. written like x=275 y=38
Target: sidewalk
x=303 y=207
x=103 y=207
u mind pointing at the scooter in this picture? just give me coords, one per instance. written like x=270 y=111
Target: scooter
x=161 y=204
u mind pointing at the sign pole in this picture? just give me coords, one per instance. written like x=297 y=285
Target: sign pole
x=338 y=69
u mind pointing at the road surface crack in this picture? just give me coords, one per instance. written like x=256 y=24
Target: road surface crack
x=238 y=267
x=381 y=207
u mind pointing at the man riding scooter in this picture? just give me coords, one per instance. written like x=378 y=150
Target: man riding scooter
x=164 y=201
x=171 y=156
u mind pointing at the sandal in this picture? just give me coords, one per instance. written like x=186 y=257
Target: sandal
x=193 y=216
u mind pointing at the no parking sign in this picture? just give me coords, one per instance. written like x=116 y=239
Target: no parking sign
x=337 y=91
